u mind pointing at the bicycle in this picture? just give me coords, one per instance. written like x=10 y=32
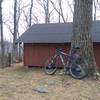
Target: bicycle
x=75 y=66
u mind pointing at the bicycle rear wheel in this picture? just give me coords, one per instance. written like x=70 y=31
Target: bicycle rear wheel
x=50 y=66
x=78 y=71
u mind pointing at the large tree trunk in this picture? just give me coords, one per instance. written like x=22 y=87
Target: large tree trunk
x=1 y=33
x=82 y=25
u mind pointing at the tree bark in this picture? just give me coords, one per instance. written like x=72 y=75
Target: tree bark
x=46 y=8
x=95 y=9
x=1 y=32
x=82 y=25
x=14 y=52
x=30 y=15
x=59 y=18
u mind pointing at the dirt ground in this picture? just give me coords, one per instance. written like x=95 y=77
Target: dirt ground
x=18 y=83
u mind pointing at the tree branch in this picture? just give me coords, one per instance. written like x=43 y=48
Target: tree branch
x=61 y=14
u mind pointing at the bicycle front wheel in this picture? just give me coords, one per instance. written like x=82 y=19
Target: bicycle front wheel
x=50 y=66
x=78 y=71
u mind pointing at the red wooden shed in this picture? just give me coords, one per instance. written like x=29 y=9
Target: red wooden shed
x=41 y=40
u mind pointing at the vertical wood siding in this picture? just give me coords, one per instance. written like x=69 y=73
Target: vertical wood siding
x=37 y=54
x=97 y=53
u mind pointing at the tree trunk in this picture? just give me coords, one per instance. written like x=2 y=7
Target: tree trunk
x=95 y=9
x=59 y=18
x=14 y=52
x=82 y=25
x=47 y=17
x=1 y=32
x=30 y=15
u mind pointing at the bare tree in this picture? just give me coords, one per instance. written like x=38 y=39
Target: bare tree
x=45 y=5
x=30 y=15
x=19 y=17
x=15 y=30
x=1 y=33
x=60 y=11
x=98 y=3
x=82 y=24
x=95 y=9
x=97 y=6
x=69 y=5
x=14 y=52
x=59 y=2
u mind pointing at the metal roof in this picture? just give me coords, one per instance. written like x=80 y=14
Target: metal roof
x=54 y=33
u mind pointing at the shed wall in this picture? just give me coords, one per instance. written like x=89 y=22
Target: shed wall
x=97 y=53
x=37 y=54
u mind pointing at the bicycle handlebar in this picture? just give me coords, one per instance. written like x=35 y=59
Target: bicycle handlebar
x=60 y=50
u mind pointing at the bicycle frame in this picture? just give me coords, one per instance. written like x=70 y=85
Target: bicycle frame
x=60 y=55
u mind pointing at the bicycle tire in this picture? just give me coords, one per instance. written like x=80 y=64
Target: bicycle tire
x=50 y=66
x=78 y=71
